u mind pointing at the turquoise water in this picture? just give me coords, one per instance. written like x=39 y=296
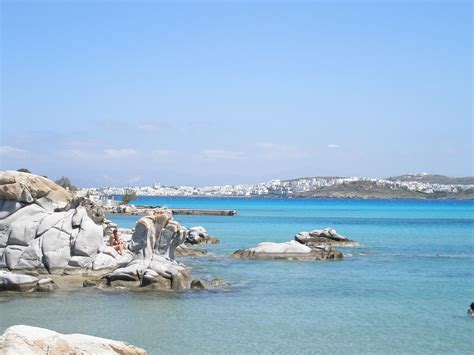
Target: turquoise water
x=405 y=290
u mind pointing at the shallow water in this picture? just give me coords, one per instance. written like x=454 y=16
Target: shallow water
x=405 y=290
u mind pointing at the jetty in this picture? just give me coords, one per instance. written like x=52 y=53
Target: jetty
x=143 y=210
x=194 y=211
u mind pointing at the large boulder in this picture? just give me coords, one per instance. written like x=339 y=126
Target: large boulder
x=291 y=250
x=28 y=188
x=23 y=339
x=42 y=227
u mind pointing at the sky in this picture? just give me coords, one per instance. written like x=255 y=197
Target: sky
x=204 y=93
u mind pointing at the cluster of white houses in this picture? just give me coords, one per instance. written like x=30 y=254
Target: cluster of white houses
x=273 y=187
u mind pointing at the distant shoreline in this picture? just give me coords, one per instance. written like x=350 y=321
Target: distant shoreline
x=274 y=197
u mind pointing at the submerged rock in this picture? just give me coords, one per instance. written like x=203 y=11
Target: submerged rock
x=184 y=250
x=23 y=339
x=291 y=250
x=321 y=237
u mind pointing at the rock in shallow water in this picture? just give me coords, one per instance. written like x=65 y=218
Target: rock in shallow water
x=25 y=283
x=327 y=236
x=23 y=339
x=291 y=250
x=199 y=235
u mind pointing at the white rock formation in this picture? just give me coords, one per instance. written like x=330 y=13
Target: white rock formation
x=42 y=228
x=291 y=250
x=153 y=244
x=323 y=237
x=26 y=340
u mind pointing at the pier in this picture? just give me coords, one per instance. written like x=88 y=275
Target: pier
x=141 y=210
x=193 y=211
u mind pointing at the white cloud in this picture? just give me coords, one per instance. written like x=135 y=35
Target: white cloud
x=215 y=154
x=12 y=152
x=277 y=151
x=120 y=153
x=333 y=146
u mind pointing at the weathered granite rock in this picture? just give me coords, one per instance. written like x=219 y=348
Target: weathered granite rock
x=71 y=238
x=16 y=282
x=25 y=283
x=153 y=244
x=291 y=250
x=321 y=237
x=42 y=227
x=199 y=235
x=23 y=339
x=28 y=188
x=46 y=285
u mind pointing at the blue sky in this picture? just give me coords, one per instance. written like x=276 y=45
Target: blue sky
x=200 y=93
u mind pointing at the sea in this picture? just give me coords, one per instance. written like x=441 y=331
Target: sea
x=406 y=289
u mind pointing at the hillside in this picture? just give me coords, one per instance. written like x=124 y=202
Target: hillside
x=368 y=189
x=434 y=179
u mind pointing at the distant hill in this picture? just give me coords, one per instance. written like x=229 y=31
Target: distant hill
x=369 y=189
x=434 y=179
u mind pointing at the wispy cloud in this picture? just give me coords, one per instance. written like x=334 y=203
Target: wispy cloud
x=120 y=153
x=75 y=154
x=153 y=126
x=12 y=152
x=333 y=146
x=218 y=154
x=277 y=151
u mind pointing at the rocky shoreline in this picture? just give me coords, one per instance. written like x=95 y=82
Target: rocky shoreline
x=49 y=238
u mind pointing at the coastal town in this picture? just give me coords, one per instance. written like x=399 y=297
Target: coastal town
x=288 y=188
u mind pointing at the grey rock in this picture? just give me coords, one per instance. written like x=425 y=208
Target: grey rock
x=8 y=207
x=317 y=238
x=291 y=250
x=46 y=285
x=90 y=238
x=16 y=282
x=83 y=262
x=89 y=283
x=13 y=254
x=104 y=262
x=199 y=235
x=197 y=284
x=22 y=339
x=56 y=250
